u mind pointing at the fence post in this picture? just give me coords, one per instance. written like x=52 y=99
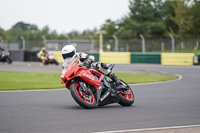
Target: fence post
x=92 y=43
x=1 y=40
x=23 y=43
x=127 y=48
x=182 y=46
x=44 y=40
x=101 y=40
x=162 y=47
x=116 y=43
x=68 y=39
x=172 y=42
x=143 y=43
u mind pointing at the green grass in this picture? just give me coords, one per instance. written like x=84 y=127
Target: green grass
x=144 y=77
x=30 y=81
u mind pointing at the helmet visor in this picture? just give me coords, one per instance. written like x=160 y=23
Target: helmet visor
x=68 y=55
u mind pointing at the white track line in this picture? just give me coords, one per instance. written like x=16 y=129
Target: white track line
x=149 y=129
x=179 y=78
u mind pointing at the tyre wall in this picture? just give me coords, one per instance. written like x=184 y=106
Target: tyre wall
x=58 y=56
x=118 y=57
x=177 y=58
x=146 y=58
x=115 y=57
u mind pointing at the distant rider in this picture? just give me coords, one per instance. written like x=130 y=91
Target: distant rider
x=1 y=52
x=43 y=55
x=69 y=54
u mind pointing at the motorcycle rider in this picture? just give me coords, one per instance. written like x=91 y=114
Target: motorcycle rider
x=1 y=51
x=42 y=55
x=69 y=54
x=4 y=55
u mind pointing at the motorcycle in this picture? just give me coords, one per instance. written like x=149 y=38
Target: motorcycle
x=90 y=88
x=4 y=56
x=49 y=59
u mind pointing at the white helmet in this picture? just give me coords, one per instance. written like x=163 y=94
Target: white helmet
x=68 y=51
x=43 y=49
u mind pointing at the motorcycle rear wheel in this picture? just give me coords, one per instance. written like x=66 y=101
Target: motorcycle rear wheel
x=126 y=96
x=55 y=62
x=9 y=60
x=80 y=97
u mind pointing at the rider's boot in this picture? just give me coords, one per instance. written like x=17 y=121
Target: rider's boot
x=115 y=79
x=103 y=68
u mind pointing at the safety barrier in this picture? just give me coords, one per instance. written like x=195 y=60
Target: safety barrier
x=20 y=55
x=127 y=58
x=96 y=56
x=31 y=56
x=17 y=55
x=58 y=56
x=115 y=57
x=145 y=58
x=198 y=59
x=177 y=58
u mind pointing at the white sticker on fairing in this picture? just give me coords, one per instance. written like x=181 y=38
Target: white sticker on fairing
x=88 y=76
x=105 y=96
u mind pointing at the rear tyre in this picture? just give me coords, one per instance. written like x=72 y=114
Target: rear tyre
x=126 y=96
x=54 y=61
x=87 y=101
x=9 y=60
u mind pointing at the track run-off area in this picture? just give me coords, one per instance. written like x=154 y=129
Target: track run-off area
x=158 y=106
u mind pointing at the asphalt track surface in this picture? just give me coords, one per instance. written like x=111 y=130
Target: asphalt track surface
x=54 y=111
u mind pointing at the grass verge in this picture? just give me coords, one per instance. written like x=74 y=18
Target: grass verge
x=145 y=77
x=31 y=81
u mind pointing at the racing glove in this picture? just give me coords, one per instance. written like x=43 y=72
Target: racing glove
x=82 y=56
x=87 y=63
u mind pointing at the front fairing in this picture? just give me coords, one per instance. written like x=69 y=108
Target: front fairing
x=88 y=76
x=69 y=72
x=73 y=70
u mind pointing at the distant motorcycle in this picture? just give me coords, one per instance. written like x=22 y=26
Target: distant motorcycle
x=4 y=56
x=49 y=59
x=90 y=88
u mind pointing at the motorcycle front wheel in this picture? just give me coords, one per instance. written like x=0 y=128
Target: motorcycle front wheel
x=126 y=96
x=85 y=100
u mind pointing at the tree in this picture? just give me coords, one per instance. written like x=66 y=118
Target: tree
x=29 y=31
x=110 y=27
x=168 y=12
x=195 y=10
x=145 y=17
x=183 y=19
x=3 y=34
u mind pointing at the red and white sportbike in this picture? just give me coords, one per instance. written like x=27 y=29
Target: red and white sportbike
x=90 y=88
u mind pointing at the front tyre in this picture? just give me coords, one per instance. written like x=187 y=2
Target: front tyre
x=85 y=100
x=126 y=96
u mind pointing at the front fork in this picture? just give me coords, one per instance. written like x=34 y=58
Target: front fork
x=85 y=89
x=85 y=92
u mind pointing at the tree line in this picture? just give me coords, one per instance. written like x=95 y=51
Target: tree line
x=151 y=18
